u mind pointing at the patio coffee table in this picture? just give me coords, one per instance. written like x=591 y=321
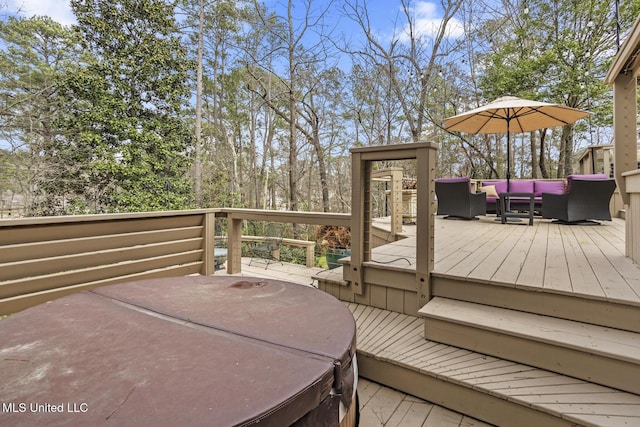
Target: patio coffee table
x=197 y=350
x=505 y=212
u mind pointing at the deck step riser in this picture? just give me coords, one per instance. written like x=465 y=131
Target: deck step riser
x=574 y=363
x=564 y=306
x=592 y=353
x=465 y=400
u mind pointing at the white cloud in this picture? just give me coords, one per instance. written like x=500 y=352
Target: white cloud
x=58 y=10
x=427 y=23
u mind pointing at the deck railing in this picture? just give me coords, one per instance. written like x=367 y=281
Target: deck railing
x=46 y=258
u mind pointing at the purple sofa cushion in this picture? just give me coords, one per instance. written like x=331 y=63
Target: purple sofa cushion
x=501 y=186
x=555 y=187
x=524 y=186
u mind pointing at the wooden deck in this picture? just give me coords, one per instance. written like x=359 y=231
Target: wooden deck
x=280 y=271
x=527 y=288
x=584 y=260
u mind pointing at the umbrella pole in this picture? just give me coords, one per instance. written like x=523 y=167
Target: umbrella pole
x=508 y=155
x=507 y=206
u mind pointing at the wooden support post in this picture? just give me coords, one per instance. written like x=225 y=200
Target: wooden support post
x=425 y=220
x=234 y=245
x=396 y=201
x=362 y=160
x=311 y=253
x=625 y=117
x=359 y=233
x=208 y=244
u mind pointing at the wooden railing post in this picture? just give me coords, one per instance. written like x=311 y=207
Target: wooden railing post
x=234 y=244
x=360 y=209
x=396 y=201
x=425 y=220
x=208 y=239
x=625 y=118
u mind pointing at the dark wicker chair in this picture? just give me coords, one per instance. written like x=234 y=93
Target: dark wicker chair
x=586 y=200
x=456 y=201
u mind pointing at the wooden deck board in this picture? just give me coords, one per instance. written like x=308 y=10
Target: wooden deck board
x=490 y=265
x=534 y=266
x=612 y=282
x=384 y=407
x=508 y=269
x=608 y=420
x=599 y=340
x=588 y=260
x=484 y=255
x=556 y=273
x=583 y=279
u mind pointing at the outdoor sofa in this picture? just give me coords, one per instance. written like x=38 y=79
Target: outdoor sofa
x=493 y=189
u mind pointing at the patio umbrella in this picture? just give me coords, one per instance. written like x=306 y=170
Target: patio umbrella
x=510 y=114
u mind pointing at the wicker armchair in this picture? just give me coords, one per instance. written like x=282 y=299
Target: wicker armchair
x=456 y=201
x=584 y=201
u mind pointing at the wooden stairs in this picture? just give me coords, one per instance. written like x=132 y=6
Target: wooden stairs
x=506 y=355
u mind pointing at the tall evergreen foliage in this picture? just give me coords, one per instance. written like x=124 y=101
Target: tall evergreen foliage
x=35 y=53
x=126 y=121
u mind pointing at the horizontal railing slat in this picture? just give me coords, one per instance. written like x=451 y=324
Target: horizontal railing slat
x=21 y=252
x=92 y=259
x=21 y=302
x=38 y=232
x=40 y=283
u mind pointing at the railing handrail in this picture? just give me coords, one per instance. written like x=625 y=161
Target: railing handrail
x=300 y=217
x=295 y=217
x=61 y=219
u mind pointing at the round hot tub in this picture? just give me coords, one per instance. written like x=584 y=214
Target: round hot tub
x=196 y=350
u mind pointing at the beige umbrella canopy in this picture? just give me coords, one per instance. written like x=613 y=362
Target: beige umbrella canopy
x=510 y=114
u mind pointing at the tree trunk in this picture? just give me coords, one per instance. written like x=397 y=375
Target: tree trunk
x=534 y=156
x=198 y=122
x=322 y=168
x=567 y=138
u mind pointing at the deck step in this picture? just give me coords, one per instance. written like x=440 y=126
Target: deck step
x=617 y=314
x=601 y=355
x=392 y=350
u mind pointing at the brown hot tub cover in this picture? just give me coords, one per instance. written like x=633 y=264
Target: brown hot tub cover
x=201 y=350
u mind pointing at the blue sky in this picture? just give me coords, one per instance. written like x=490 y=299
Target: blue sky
x=58 y=10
